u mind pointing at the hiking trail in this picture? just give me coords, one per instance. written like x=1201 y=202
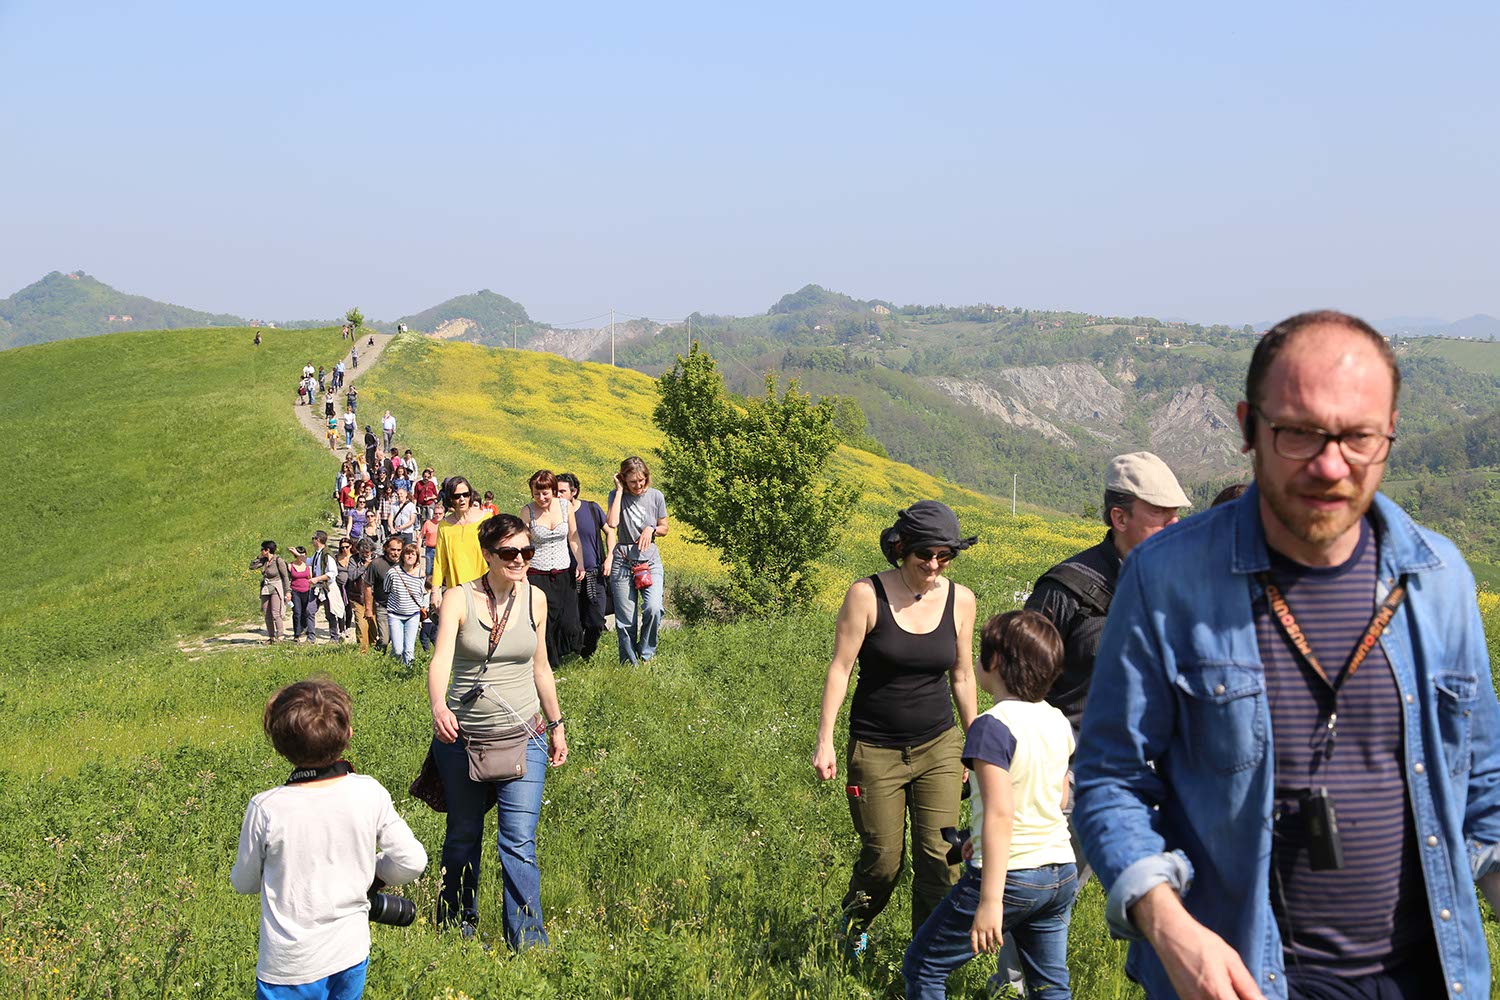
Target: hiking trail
x=247 y=634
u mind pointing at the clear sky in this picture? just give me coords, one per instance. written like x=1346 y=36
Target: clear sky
x=1211 y=161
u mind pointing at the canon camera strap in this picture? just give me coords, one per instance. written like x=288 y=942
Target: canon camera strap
x=337 y=769
x=1281 y=614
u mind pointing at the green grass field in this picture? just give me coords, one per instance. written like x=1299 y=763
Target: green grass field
x=686 y=850
x=1482 y=356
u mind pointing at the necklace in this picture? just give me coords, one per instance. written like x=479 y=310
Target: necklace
x=911 y=590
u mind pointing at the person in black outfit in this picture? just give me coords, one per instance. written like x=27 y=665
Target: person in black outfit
x=912 y=632
x=593 y=589
x=1141 y=497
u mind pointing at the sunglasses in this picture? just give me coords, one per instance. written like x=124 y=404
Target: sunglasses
x=461 y=496
x=509 y=553
x=927 y=555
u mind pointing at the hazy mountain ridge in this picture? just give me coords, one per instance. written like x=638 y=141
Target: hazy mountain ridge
x=65 y=306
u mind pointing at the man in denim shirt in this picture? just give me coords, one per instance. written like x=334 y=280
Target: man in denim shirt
x=1210 y=737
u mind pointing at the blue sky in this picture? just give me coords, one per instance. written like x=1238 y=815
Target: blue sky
x=1216 y=162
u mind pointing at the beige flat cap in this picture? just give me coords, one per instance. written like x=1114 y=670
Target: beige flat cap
x=1143 y=475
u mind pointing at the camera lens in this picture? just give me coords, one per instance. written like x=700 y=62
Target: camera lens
x=393 y=911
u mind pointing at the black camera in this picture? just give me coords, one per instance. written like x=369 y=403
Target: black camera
x=956 y=839
x=393 y=911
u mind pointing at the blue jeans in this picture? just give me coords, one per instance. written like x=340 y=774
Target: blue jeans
x=348 y=436
x=637 y=612
x=404 y=630
x=346 y=985
x=431 y=555
x=519 y=805
x=1038 y=906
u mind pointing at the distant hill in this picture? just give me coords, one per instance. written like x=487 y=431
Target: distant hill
x=482 y=318
x=66 y=306
x=1480 y=326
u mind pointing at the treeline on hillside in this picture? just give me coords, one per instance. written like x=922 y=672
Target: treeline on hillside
x=67 y=306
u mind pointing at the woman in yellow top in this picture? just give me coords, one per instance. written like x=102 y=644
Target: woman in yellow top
x=459 y=558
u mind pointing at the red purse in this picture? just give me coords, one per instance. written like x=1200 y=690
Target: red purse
x=640 y=575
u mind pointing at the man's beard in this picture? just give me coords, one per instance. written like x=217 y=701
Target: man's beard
x=1315 y=527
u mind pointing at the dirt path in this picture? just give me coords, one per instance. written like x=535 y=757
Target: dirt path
x=245 y=634
x=312 y=417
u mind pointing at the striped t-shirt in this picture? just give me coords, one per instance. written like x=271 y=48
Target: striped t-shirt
x=1371 y=915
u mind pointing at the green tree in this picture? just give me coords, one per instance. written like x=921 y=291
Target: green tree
x=355 y=318
x=751 y=482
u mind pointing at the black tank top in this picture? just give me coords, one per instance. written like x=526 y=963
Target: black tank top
x=902 y=698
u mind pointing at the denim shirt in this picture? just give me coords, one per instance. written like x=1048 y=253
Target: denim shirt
x=1175 y=764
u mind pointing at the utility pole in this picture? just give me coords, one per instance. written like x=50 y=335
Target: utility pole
x=611 y=336
x=690 y=336
x=515 y=334
x=1013 y=478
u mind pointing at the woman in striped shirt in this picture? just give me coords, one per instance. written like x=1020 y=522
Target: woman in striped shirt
x=406 y=602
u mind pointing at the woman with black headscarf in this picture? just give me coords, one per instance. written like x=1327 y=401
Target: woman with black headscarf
x=912 y=632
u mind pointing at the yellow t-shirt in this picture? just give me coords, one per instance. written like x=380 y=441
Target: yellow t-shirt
x=458 y=558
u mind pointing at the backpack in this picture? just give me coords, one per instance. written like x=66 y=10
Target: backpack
x=1093 y=600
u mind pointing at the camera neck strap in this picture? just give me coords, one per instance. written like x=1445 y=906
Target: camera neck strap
x=498 y=628
x=1281 y=614
x=337 y=769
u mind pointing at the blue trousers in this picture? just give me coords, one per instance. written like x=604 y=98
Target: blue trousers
x=1038 y=906
x=346 y=985
x=638 y=613
x=519 y=806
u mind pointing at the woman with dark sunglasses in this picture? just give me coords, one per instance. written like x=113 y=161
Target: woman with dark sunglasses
x=912 y=633
x=458 y=558
x=489 y=677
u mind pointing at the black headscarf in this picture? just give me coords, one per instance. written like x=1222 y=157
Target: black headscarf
x=923 y=524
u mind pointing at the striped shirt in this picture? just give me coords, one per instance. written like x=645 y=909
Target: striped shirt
x=1371 y=915
x=405 y=592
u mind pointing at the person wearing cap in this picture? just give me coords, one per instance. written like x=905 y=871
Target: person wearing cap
x=911 y=630
x=1141 y=497
x=1288 y=774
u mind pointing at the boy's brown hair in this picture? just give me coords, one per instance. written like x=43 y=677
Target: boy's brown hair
x=308 y=722
x=1027 y=651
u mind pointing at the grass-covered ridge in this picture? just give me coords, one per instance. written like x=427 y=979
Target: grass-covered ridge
x=686 y=850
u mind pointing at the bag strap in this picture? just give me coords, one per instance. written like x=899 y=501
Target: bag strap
x=1083 y=583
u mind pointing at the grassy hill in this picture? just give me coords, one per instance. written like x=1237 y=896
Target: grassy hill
x=1480 y=356
x=482 y=318
x=686 y=851
x=64 y=306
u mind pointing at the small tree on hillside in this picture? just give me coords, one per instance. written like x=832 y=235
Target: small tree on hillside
x=751 y=482
x=355 y=318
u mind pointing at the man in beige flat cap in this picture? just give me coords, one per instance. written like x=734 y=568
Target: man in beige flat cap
x=1141 y=497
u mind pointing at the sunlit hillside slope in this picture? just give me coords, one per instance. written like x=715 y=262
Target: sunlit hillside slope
x=686 y=850
x=499 y=415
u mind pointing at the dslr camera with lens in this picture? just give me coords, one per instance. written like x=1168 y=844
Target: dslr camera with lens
x=393 y=911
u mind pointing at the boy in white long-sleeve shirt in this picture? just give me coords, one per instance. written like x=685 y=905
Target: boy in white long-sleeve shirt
x=313 y=847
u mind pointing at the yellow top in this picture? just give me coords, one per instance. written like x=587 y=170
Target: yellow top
x=458 y=558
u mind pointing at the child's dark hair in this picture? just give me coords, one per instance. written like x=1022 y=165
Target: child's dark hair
x=1027 y=651
x=308 y=722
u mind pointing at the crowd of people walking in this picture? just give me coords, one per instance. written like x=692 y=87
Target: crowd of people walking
x=1166 y=708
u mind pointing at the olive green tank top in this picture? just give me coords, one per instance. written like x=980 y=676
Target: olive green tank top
x=507 y=679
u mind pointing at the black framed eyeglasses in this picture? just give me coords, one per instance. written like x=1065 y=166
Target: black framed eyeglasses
x=1360 y=446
